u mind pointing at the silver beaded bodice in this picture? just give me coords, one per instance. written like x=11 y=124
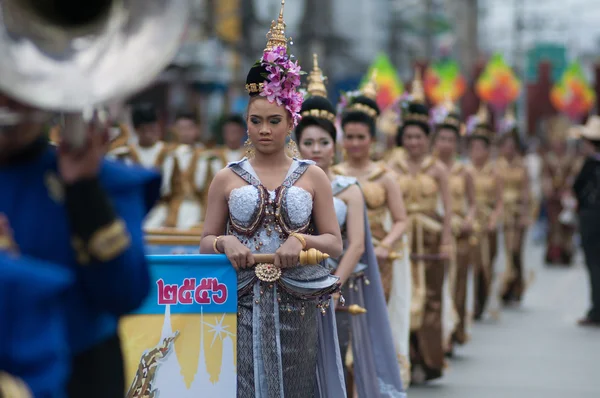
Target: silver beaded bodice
x=262 y=219
x=341 y=211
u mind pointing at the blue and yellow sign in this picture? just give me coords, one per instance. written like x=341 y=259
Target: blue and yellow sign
x=182 y=341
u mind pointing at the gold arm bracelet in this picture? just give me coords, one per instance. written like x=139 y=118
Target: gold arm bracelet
x=300 y=238
x=385 y=246
x=215 y=248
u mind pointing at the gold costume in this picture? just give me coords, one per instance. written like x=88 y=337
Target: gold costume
x=378 y=213
x=485 y=180
x=515 y=211
x=424 y=228
x=457 y=183
x=558 y=176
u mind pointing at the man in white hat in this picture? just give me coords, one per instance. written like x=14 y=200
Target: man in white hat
x=587 y=192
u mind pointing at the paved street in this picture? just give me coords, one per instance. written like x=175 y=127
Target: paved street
x=535 y=351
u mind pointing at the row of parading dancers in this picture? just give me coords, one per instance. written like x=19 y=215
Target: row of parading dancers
x=405 y=235
x=418 y=229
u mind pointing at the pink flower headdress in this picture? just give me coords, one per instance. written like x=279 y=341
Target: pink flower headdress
x=276 y=75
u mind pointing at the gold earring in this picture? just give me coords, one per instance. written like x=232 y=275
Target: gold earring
x=250 y=151
x=292 y=148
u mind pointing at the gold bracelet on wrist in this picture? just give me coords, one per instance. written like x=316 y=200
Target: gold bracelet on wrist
x=300 y=238
x=215 y=248
x=385 y=246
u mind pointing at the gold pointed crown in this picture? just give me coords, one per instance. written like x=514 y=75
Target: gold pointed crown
x=370 y=89
x=276 y=36
x=482 y=113
x=449 y=104
x=417 y=92
x=316 y=80
x=510 y=114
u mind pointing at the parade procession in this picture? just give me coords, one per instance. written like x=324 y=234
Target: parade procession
x=310 y=226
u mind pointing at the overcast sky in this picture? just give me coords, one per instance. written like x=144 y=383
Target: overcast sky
x=575 y=23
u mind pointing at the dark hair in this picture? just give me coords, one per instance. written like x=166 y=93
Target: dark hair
x=514 y=135
x=256 y=76
x=450 y=122
x=235 y=119
x=482 y=138
x=308 y=121
x=415 y=114
x=359 y=117
x=186 y=115
x=595 y=144
x=143 y=114
x=317 y=111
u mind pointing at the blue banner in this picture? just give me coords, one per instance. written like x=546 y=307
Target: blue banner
x=186 y=282
x=181 y=342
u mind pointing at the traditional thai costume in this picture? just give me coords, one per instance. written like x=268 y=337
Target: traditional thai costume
x=486 y=181
x=516 y=209
x=373 y=365
x=287 y=339
x=446 y=117
x=395 y=271
x=558 y=175
x=158 y=157
x=421 y=198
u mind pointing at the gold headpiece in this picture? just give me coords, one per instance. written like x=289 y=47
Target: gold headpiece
x=316 y=80
x=370 y=89
x=417 y=92
x=482 y=113
x=449 y=104
x=276 y=36
x=510 y=114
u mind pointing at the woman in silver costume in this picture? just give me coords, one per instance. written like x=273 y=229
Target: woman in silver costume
x=270 y=202
x=375 y=368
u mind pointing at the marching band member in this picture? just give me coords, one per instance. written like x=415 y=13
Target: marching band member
x=71 y=207
x=186 y=202
x=152 y=153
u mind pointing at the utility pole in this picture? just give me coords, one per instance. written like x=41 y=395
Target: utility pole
x=428 y=34
x=518 y=61
x=466 y=15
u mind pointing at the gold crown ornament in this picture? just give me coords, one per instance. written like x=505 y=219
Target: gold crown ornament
x=276 y=35
x=370 y=88
x=483 y=115
x=316 y=80
x=417 y=92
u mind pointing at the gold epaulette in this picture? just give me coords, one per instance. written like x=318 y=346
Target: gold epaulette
x=106 y=243
x=12 y=387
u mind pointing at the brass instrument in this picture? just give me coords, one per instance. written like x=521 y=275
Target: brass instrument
x=72 y=57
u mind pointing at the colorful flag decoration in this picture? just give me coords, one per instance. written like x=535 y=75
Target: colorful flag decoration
x=572 y=95
x=443 y=82
x=498 y=85
x=389 y=86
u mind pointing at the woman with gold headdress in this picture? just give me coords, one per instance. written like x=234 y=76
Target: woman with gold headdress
x=489 y=200
x=558 y=173
x=374 y=366
x=449 y=130
x=270 y=202
x=423 y=181
x=386 y=213
x=517 y=212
